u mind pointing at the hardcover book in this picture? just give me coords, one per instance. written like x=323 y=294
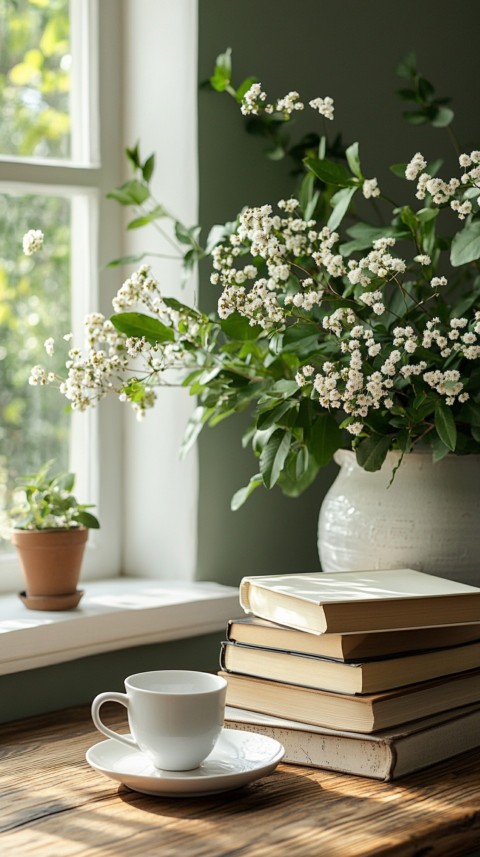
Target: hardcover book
x=352 y=713
x=386 y=755
x=251 y=631
x=369 y=676
x=355 y=601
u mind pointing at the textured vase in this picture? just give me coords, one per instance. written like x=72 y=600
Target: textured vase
x=427 y=519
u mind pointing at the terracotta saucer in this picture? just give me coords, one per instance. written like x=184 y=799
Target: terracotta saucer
x=51 y=602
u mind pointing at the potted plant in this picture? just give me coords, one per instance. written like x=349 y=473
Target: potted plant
x=50 y=531
x=338 y=330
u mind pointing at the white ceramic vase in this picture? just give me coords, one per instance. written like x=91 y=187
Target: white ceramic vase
x=427 y=519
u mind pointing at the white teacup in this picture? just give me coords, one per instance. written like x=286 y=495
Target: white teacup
x=175 y=716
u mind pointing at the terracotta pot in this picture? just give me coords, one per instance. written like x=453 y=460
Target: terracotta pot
x=51 y=561
x=426 y=519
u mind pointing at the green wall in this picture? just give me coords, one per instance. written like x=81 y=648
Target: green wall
x=348 y=50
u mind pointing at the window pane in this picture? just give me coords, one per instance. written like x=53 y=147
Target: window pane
x=34 y=305
x=35 y=78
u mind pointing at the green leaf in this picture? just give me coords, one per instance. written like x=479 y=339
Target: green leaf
x=407 y=94
x=272 y=417
x=301 y=339
x=341 y=202
x=443 y=117
x=408 y=217
x=425 y=89
x=298 y=474
x=439 y=449
x=197 y=421
x=284 y=388
x=364 y=235
x=87 y=520
x=445 y=425
x=398 y=170
x=148 y=168
x=221 y=76
x=65 y=481
x=325 y=439
x=301 y=462
x=353 y=160
x=427 y=214
x=329 y=172
x=407 y=67
x=243 y=494
x=185 y=235
x=237 y=327
x=127 y=260
x=133 y=156
x=416 y=117
x=404 y=440
x=277 y=152
x=138 y=324
x=217 y=234
x=132 y=192
x=466 y=245
x=145 y=219
x=273 y=457
x=372 y=451
x=471 y=413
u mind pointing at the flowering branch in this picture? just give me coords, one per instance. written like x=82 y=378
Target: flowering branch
x=324 y=330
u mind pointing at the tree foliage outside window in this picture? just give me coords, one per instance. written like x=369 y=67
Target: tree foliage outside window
x=35 y=87
x=34 y=300
x=35 y=65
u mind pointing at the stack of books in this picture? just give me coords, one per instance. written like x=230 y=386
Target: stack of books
x=372 y=673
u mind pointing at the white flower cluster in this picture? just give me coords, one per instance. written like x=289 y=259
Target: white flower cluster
x=32 y=241
x=471 y=165
x=284 y=244
x=289 y=103
x=443 y=192
x=416 y=165
x=254 y=102
x=325 y=106
x=110 y=359
x=253 y=99
x=370 y=188
x=357 y=383
x=378 y=263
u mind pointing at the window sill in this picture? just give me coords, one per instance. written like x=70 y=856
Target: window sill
x=113 y=614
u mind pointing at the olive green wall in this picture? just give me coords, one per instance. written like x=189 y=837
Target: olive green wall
x=38 y=691
x=348 y=50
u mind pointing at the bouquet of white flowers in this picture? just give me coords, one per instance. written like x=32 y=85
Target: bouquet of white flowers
x=334 y=331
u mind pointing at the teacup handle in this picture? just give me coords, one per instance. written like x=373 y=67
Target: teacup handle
x=111 y=696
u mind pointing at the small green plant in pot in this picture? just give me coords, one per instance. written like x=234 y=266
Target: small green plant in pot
x=50 y=531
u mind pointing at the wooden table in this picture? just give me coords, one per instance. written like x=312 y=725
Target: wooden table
x=53 y=804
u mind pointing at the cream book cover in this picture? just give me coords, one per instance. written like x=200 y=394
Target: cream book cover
x=360 y=600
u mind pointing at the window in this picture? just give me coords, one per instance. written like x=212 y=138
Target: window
x=51 y=179
x=145 y=497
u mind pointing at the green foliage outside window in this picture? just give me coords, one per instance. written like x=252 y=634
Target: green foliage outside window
x=35 y=78
x=34 y=300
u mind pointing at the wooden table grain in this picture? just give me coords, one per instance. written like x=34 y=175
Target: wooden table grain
x=52 y=804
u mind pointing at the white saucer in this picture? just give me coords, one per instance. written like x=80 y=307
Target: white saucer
x=237 y=759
